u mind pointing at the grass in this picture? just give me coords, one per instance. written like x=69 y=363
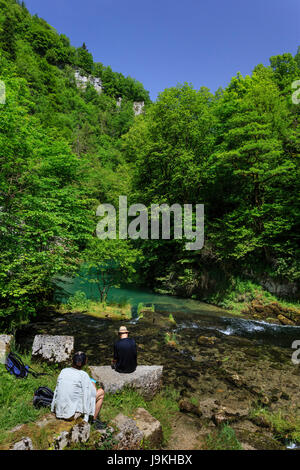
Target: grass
x=16 y=406
x=222 y=439
x=239 y=293
x=171 y=339
x=16 y=395
x=284 y=426
x=80 y=303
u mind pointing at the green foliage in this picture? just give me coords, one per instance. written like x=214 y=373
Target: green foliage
x=223 y=439
x=109 y=263
x=78 y=301
x=238 y=153
x=284 y=426
x=59 y=156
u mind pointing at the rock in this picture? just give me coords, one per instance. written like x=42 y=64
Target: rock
x=208 y=407
x=138 y=107
x=188 y=407
x=246 y=446
x=206 y=340
x=83 y=80
x=5 y=343
x=149 y=426
x=61 y=441
x=80 y=432
x=53 y=348
x=24 y=444
x=284 y=320
x=146 y=379
x=225 y=414
x=129 y=436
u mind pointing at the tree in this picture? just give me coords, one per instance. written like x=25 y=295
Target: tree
x=109 y=263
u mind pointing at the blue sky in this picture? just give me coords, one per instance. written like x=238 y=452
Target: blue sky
x=165 y=42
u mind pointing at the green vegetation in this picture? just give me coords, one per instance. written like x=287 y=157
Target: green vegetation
x=237 y=152
x=284 y=425
x=113 y=310
x=144 y=308
x=64 y=149
x=16 y=395
x=172 y=319
x=171 y=339
x=16 y=407
x=222 y=439
x=60 y=156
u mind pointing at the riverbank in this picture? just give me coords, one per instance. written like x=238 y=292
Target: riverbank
x=243 y=298
x=226 y=371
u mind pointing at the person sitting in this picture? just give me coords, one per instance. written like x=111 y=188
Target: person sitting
x=125 y=354
x=76 y=393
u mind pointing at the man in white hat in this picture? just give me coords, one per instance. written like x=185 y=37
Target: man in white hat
x=125 y=354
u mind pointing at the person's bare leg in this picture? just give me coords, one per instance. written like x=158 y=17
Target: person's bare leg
x=99 y=400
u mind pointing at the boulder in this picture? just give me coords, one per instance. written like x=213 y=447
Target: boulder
x=138 y=107
x=149 y=426
x=228 y=415
x=129 y=436
x=24 y=444
x=188 y=407
x=146 y=379
x=5 y=342
x=61 y=441
x=206 y=340
x=53 y=348
x=80 y=432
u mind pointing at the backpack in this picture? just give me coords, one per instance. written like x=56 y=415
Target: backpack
x=16 y=367
x=43 y=397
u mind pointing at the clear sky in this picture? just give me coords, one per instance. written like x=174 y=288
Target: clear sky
x=165 y=42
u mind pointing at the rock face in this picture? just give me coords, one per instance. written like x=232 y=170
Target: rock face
x=82 y=81
x=61 y=441
x=138 y=107
x=146 y=379
x=129 y=436
x=80 y=432
x=149 y=426
x=53 y=348
x=24 y=444
x=5 y=342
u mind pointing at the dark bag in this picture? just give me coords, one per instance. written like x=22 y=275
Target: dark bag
x=16 y=367
x=43 y=397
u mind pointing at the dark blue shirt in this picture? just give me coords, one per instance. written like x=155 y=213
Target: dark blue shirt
x=125 y=354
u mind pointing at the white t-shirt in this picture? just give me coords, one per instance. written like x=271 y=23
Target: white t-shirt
x=74 y=392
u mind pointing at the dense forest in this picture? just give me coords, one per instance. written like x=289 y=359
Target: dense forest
x=66 y=148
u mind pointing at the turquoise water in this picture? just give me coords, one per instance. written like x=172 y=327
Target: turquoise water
x=134 y=296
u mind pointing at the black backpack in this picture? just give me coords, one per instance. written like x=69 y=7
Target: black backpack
x=16 y=367
x=43 y=397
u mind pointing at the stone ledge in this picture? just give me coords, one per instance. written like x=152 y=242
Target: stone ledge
x=146 y=379
x=53 y=348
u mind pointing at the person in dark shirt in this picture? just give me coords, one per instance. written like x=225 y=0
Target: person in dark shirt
x=125 y=354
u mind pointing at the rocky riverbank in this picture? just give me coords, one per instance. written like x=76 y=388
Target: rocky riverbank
x=224 y=369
